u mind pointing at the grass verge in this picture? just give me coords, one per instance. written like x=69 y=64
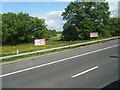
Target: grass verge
x=23 y=48
x=46 y=52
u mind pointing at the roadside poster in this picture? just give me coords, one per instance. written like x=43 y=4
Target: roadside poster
x=39 y=42
x=94 y=34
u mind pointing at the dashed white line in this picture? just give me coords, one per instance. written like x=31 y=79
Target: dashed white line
x=76 y=75
x=57 y=61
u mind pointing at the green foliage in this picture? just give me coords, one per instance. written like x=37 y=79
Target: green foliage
x=86 y=17
x=53 y=33
x=70 y=32
x=0 y=30
x=114 y=26
x=44 y=33
x=59 y=32
x=22 y=28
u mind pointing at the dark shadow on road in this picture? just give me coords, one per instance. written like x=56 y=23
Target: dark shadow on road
x=112 y=86
x=114 y=56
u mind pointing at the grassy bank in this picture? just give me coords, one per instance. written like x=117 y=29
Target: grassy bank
x=49 y=44
x=11 y=50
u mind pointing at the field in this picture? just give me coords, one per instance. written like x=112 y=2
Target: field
x=53 y=42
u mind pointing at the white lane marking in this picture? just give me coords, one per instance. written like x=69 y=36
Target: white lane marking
x=56 y=61
x=74 y=76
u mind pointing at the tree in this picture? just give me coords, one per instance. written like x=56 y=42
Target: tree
x=44 y=33
x=22 y=28
x=114 y=29
x=59 y=32
x=39 y=29
x=53 y=33
x=70 y=32
x=87 y=17
x=0 y=29
x=9 y=32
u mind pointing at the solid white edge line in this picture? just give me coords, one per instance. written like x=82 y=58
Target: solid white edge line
x=56 y=61
x=76 y=75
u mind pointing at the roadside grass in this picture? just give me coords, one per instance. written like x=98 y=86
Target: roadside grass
x=50 y=44
x=11 y=50
x=55 y=38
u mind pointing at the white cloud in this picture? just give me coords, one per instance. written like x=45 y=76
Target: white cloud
x=53 y=19
x=113 y=9
x=112 y=0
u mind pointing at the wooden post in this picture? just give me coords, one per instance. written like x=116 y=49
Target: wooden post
x=17 y=51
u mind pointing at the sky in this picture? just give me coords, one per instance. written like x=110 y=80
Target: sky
x=50 y=10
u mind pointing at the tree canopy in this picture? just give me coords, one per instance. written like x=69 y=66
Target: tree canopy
x=0 y=29
x=86 y=17
x=22 y=28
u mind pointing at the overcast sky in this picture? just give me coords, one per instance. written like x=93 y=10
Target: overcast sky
x=50 y=10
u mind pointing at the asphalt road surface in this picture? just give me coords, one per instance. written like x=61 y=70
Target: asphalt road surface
x=94 y=66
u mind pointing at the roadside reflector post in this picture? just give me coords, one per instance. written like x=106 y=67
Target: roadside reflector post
x=17 y=51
